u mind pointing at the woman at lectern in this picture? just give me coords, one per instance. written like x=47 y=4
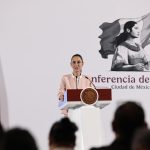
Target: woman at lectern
x=87 y=118
x=75 y=80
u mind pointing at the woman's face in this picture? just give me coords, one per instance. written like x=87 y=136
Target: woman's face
x=135 y=33
x=76 y=64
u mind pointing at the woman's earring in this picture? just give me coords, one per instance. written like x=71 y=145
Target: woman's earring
x=128 y=30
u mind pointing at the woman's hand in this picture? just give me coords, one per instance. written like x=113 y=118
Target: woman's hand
x=61 y=97
x=139 y=67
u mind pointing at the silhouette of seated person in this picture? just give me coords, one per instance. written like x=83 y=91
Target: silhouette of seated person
x=18 y=139
x=1 y=133
x=1 y=130
x=141 y=140
x=62 y=135
x=127 y=119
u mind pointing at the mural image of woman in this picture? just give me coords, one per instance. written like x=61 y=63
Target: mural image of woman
x=129 y=55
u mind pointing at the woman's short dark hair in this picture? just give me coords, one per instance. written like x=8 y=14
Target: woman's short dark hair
x=77 y=55
x=124 y=36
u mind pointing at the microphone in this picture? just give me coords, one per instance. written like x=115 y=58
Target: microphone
x=90 y=82
x=76 y=82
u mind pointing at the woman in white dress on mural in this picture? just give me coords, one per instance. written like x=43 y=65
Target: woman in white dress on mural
x=129 y=55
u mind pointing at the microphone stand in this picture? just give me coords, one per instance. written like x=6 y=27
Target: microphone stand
x=90 y=82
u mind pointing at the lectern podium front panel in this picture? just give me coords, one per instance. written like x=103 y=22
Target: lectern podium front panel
x=72 y=98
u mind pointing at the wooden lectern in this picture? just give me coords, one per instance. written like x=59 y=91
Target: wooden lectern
x=87 y=117
x=72 y=98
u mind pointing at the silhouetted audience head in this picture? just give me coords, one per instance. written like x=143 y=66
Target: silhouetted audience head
x=1 y=134
x=141 y=140
x=1 y=130
x=62 y=134
x=18 y=139
x=128 y=118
